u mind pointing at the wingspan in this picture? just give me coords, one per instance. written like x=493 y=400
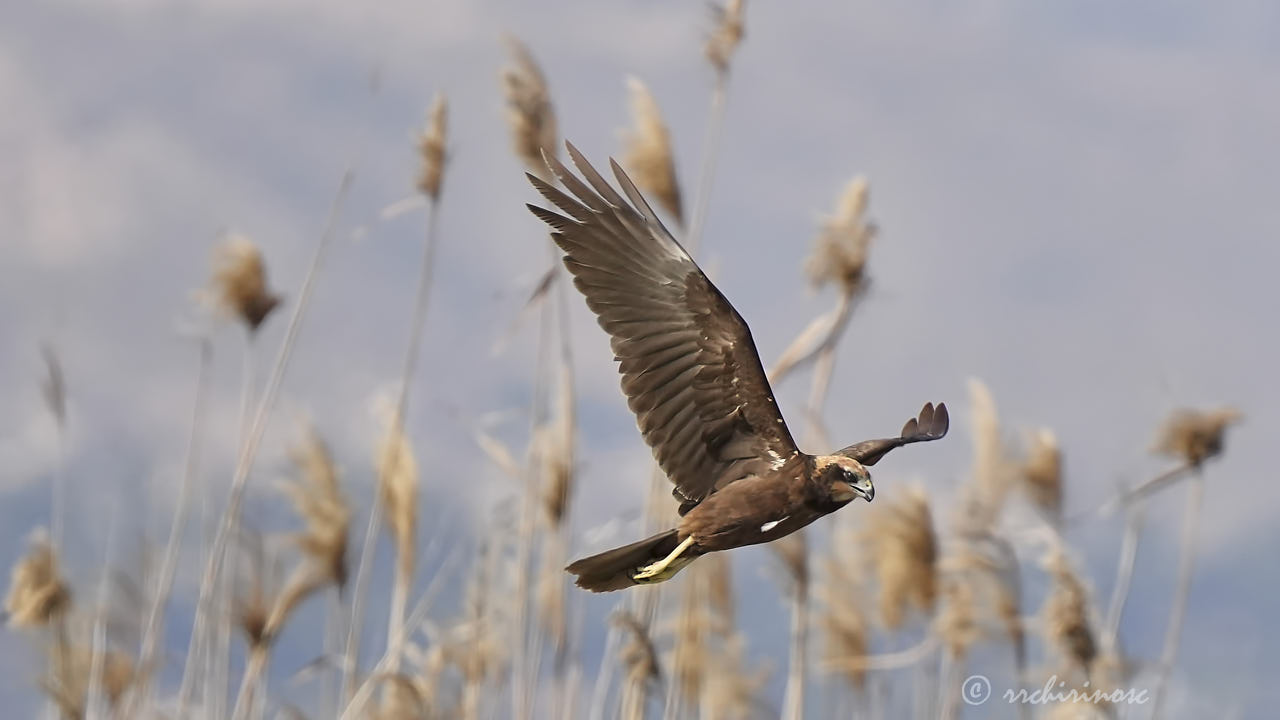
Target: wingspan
x=931 y=424
x=689 y=367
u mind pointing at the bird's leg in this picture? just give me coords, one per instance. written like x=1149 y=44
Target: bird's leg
x=654 y=569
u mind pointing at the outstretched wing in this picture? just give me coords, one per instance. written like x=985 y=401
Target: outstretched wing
x=689 y=367
x=932 y=424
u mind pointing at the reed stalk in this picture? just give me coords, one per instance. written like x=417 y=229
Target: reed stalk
x=152 y=634
x=390 y=459
x=244 y=462
x=1182 y=590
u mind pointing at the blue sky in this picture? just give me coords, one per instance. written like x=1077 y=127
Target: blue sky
x=1075 y=203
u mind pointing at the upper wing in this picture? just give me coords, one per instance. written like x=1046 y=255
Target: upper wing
x=932 y=424
x=689 y=368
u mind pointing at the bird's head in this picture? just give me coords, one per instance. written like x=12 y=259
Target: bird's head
x=846 y=478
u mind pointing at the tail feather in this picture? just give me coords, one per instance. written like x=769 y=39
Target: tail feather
x=613 y=569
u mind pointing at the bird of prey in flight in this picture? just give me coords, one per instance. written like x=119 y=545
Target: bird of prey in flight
x=693 y=378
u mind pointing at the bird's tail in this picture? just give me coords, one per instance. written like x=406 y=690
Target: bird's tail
x=615 y=569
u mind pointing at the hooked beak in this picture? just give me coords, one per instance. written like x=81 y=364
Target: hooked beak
x=863 y=487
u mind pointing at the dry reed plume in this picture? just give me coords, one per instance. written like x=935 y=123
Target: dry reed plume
x=318 y=499
x=400 y=699
x=432 y=149
x=639 y=655
x=477 y=648
x=550 y=592
x=37 y=594
x=846 y=627
x=991 y=576
x=993 y=469
x=691 y=654
x=262 y=611
x=840 y=253
x=554 y=448
x=730 y=689
x=958 y=623
x=397 y=470
x=726 y=35
x=1196 y=435
x=239 y=282
x=707 y=670
x=261 y=606
x=257 y=595
x=397 y=473
x=648 y=157
x=1066 y=616
x=530 y=114
x=904 y=553
x=75 y=672
x=723 y=41
x=1042 y=474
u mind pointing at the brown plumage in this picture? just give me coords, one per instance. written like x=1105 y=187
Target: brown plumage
x=693 y=378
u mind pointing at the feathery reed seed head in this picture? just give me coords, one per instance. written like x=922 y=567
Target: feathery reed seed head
x=253 y=601
x=904 y=552
x=261 y=607
x=475 y=645
x=729 y=689
x=317 y=497
x=992 y=581
x=1008 y=611
x=550 y=592
x=557 y=474
x=845 y=634
x=692 y=653
x=71 y=672
x=840 y=253
x=648 y=156
x=431 y=149
x=1042 y=473
x=37 y=593
x=240 y=281
x=726 y=35
x=639 y=655
x=398 y=491
x=993 y=470
x=1066 y=614
x=529 y=110
x=554 y=445
x=400 y=699
x=1196 y=435
x=957 y=620
x=844 y=619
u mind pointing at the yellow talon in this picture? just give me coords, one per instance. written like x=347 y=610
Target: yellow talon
x=653 y=570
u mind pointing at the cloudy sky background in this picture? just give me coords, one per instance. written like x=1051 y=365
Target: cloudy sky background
x=1076 y=203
